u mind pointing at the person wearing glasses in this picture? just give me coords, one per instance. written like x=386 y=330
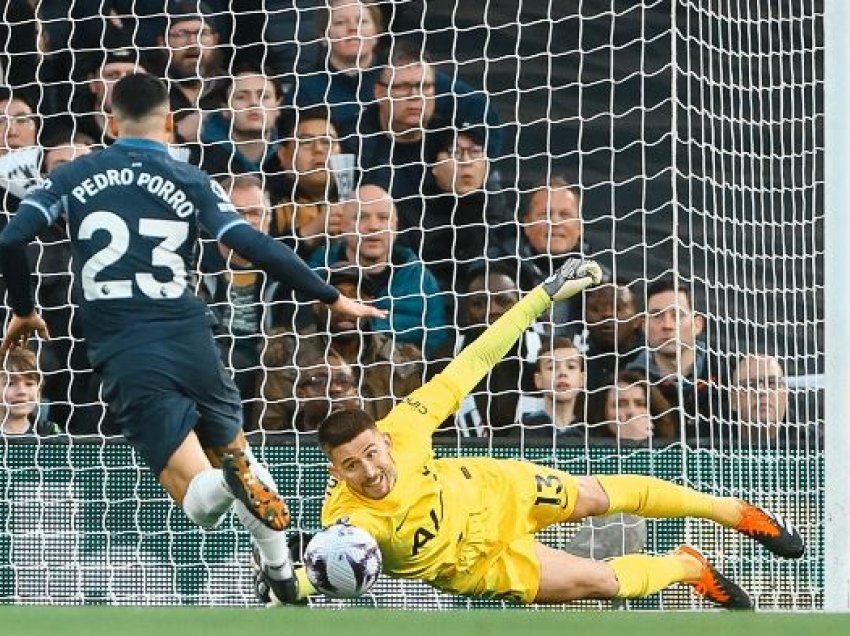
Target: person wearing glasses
x=326 y=383
x=19 y=131
x=391 y=144
x=18 y=123
x=459 y=211
x=192 y=64
x=761 y=406
x=352 y=62
x=307 y=207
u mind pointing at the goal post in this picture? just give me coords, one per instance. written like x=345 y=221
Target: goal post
x=837 y=315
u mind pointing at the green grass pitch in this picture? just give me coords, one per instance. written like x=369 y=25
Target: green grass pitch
x=113 y=621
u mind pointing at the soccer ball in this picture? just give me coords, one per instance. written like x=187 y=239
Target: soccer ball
x=342 y=561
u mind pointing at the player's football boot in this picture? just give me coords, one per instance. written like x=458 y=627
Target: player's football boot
x=573 y=276
x=271 y=590
x=774 y=532
x=263 y=502
x=715 y=587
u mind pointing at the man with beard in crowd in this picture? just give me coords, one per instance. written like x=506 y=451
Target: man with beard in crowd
x=384 y=369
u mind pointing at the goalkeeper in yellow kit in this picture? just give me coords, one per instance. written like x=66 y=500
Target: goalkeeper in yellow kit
x=467 y=525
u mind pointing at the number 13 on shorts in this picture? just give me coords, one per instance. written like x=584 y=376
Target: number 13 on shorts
x=553 y=498
x=550 y=491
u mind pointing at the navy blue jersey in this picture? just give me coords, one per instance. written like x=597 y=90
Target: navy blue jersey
x=133 y=216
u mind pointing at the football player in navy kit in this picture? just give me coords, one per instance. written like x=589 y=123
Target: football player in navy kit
x=133 y=216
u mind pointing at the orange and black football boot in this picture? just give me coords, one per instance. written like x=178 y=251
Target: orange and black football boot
x=715 y=587
x=260 y=499
x=774 y=532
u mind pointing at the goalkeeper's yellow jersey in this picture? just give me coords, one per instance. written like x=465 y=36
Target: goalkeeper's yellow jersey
x=422 y=526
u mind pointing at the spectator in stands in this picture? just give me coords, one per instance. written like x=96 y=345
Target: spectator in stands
x=492 y=406
x=549 y=232
x=18 y=122
x=235 y=291
x=243 y=136
x=118 y=58
x=20 y=380
x=760 y=404
x=614 y=335
x=326 y=383
x=350 y=31
x=391 y=140
x=303 y=190
x=349 y=79
x=559 y=377
x=69 y=384
x=458 y=211
x=760 y=393
x=19 y=131
x=402 y=283
x=64 y=146
x=675 y=358
x=193 y=60
x=392 y=134
x=383 y=369
x=632 y=409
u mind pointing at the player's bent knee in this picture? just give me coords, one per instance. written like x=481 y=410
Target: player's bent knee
x=207 y=519
x=207 y=499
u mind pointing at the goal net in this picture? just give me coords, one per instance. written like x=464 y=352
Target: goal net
x=693 y=132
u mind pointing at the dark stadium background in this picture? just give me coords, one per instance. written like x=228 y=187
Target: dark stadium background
x=590 y=96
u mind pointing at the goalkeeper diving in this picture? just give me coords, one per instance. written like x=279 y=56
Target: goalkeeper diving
x=467 y=525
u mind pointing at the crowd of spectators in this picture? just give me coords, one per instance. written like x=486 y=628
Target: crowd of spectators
x=374 y=165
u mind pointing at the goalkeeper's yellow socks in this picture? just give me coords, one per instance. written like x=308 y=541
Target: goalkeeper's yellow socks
x=641 y=574
x=656 y=498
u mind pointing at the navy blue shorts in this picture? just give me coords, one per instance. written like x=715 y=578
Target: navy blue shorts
x=160 y=392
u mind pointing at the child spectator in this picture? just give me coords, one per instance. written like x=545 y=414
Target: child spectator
x=19 y=411
x=560 y=378
x=632 y=409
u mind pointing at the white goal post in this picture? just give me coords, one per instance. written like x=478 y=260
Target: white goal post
x=837 y=261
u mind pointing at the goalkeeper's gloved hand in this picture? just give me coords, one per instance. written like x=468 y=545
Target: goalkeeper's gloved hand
x=273 y=591
x=573 y=276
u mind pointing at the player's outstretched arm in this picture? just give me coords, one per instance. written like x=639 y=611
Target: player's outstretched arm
x=476 y=361
x=280 y=262
x=14 y=265
x=350 y=307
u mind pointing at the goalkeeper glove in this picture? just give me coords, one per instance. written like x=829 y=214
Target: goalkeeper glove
x=272 y=590
x=574 y=276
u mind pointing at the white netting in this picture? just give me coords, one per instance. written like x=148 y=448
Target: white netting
x=692 y=136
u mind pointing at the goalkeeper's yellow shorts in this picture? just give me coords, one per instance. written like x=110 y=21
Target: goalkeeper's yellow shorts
x=497 y=558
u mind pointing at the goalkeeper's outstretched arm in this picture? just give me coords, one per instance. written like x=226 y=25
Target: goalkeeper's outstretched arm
x=476 y=360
